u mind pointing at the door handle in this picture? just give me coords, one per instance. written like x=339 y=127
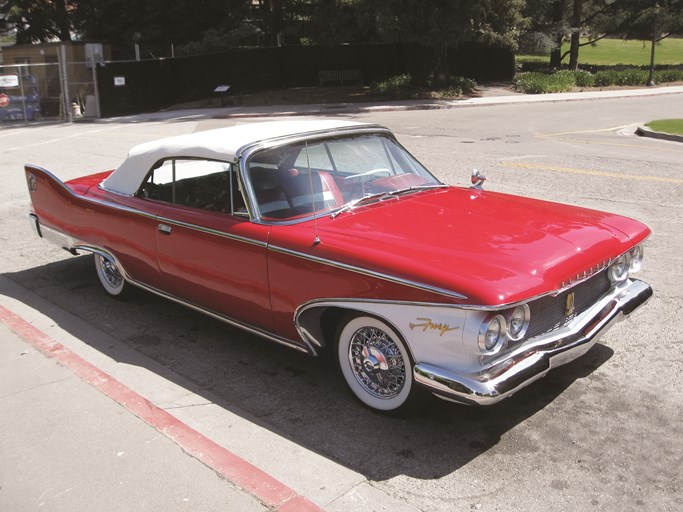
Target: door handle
x=164 y=228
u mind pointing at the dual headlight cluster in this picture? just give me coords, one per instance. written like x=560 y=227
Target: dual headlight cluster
x=509 y=325
x=512 y=324
x=626 y=264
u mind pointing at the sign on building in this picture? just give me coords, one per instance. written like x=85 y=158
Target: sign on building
x=9 y=81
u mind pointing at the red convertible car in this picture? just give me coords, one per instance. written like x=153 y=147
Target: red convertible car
x=329 y=235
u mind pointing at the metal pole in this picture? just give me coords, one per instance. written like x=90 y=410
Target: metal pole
x=651 y=77
x=61 y=81
x=65 y=76
x=21 y=91
x=97 y=90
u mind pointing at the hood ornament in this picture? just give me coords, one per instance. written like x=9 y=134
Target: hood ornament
x=477 y=180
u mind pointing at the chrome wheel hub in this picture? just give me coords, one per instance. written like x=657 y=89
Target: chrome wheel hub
x=377 y=363
x=111 y=273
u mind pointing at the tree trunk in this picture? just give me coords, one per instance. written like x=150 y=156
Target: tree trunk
x=558 y=16
x=556 y=54
x=576 y=33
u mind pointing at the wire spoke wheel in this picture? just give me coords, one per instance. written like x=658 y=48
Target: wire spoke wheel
x=375 y=363
x=111 y=278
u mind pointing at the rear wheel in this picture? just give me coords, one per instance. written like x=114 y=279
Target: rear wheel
x=111 y=278
x=376 y=364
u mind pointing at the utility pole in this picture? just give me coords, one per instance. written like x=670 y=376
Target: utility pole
x=651 y=77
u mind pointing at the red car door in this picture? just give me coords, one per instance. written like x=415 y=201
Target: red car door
x=207 y=255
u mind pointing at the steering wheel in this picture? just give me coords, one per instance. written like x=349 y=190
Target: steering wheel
x=376 y=173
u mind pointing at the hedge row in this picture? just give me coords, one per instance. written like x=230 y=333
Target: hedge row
x=402 y=86
x=561 y=81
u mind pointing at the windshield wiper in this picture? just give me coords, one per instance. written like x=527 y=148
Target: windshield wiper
x=388 y=193
x=352 y=204
x=415 y=188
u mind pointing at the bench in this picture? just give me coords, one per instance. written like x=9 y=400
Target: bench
x=341 y=76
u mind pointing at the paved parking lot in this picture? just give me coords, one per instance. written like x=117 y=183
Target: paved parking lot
x=602 y=433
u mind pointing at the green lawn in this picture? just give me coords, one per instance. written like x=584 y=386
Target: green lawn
x=674 y=126
x=609 y=52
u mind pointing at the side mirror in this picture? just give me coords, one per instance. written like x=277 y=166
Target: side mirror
x=477 y=180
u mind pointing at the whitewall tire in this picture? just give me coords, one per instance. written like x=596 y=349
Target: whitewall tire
x=375 y=364
x=111 y=278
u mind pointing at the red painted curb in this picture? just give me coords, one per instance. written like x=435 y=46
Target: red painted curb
x=264 y=487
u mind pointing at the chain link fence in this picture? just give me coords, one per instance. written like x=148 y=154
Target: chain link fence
x=56 y=91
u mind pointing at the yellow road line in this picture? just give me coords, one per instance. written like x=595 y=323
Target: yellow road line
x=589 y=172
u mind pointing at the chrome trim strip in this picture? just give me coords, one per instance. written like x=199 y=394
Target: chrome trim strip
x=35 y=224
x=342 y=303
x=333 y=301
x=210 y=231
x=56 y=237
x=309 y=349
x=369 y=273
x=314 y=135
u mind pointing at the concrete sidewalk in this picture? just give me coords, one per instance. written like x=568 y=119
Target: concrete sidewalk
x=96 y=425
x=328 y=110
x=66 y=446
x=407 y=105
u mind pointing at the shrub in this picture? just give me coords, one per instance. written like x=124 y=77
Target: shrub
x=565 y=80
x=393 y=86
x=457 y=86
x=540 y=83
x=668 y=75
x=584 y=78
x=623 y=77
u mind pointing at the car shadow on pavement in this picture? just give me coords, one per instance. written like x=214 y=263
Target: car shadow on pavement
x=293 y=395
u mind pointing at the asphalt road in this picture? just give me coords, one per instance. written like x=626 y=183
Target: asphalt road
x=603 y=433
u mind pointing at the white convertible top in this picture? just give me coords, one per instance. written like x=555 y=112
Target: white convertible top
x=220 y=144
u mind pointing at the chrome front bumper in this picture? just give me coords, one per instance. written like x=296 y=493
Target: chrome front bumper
x=535 y=358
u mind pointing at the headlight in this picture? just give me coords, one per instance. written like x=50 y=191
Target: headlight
x=518 y=322
x=492 y=334
x=618 y=271
x=636 y=257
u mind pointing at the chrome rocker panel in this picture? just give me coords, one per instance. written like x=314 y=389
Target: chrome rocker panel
x=536 y=358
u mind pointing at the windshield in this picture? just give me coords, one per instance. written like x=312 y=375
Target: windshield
x=297 y=180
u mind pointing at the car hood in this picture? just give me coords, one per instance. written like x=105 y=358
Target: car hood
x=492 y=248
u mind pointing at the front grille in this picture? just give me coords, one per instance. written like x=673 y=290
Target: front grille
x=548 y=313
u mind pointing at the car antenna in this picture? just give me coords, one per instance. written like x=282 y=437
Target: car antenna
x=316 y=240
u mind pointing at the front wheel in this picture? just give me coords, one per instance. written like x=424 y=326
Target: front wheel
x=375 y=363
x=110 y=277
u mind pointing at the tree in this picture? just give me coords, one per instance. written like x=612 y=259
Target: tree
x=446 y=24
x=37 y=20
x=556 y=20
x=158 y=21
x=641 y=14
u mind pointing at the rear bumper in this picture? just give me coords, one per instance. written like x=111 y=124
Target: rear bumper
x=536 y=358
